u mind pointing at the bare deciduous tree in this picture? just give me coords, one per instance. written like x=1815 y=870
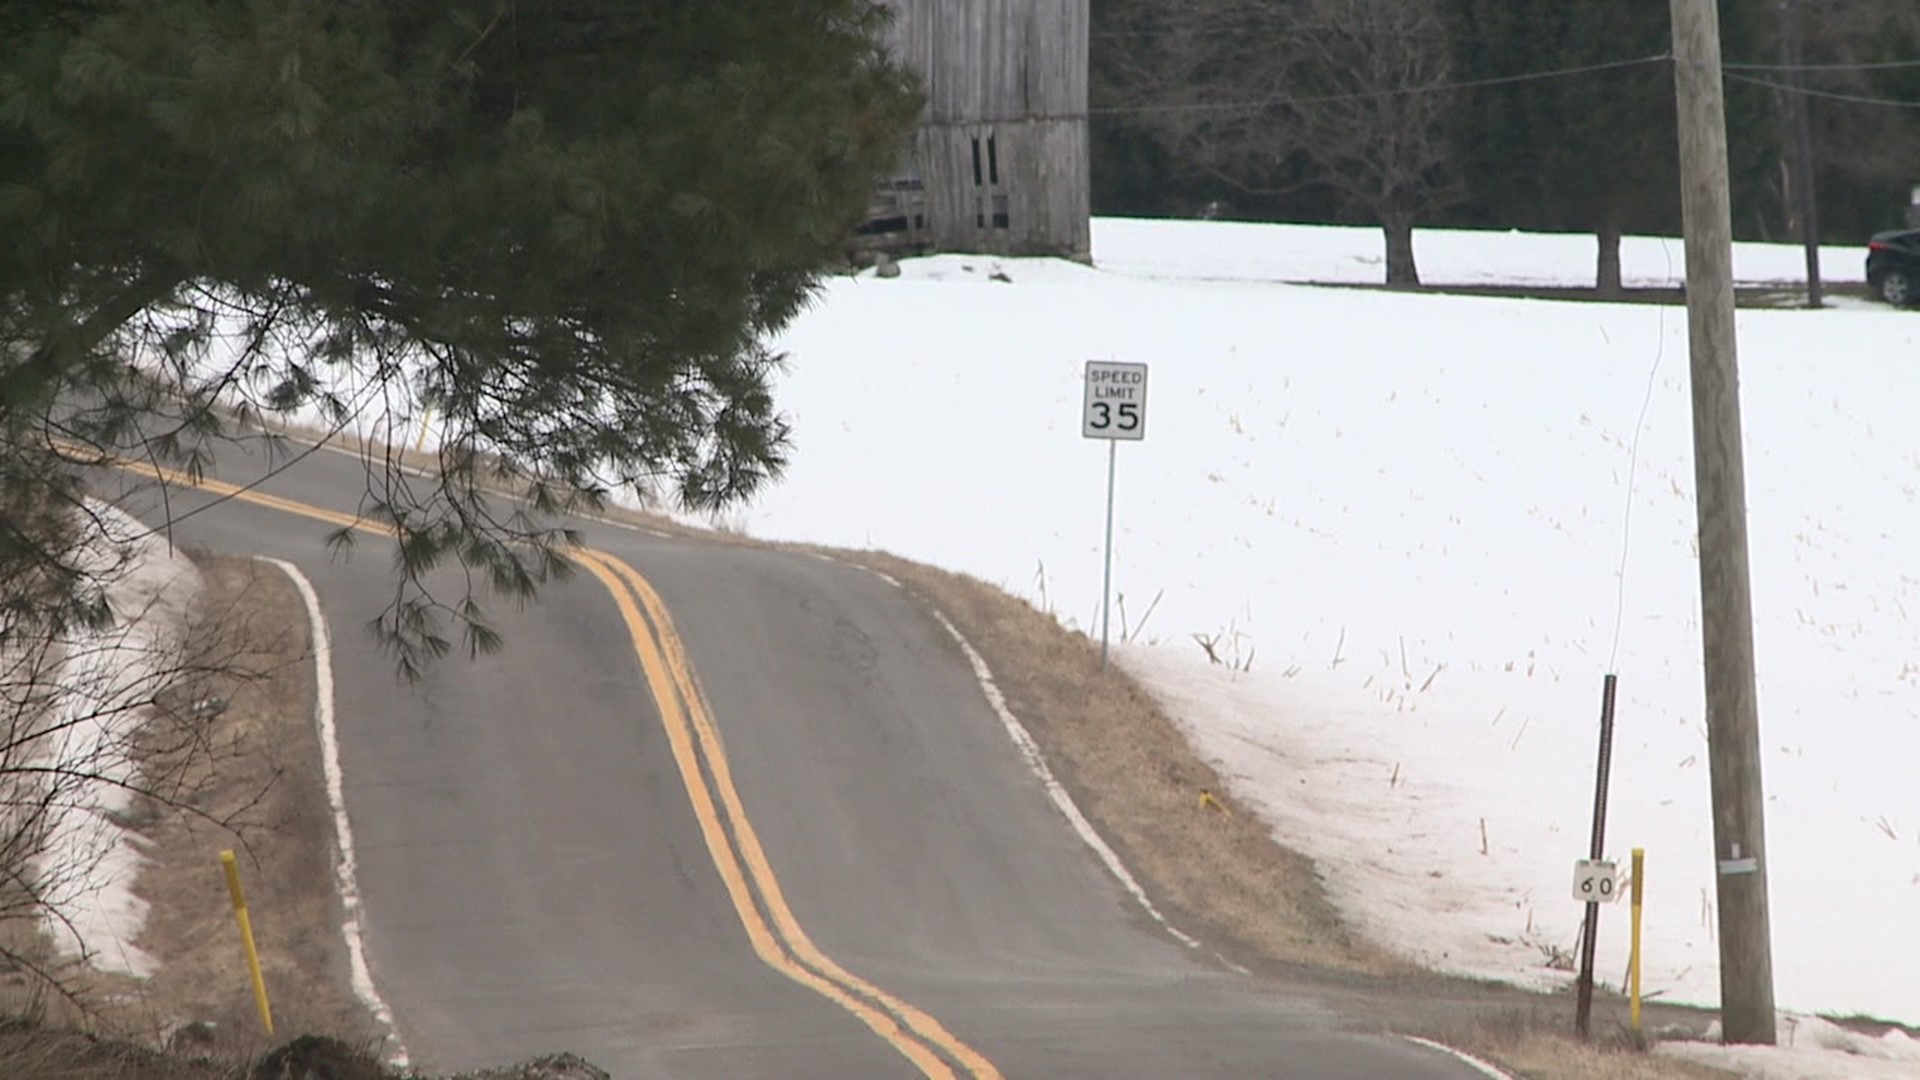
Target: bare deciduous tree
x=101 y=722
x=1273 y=96
x=1861 y=148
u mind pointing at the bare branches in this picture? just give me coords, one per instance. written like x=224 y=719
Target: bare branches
x=100 y=726
x=1323 y=93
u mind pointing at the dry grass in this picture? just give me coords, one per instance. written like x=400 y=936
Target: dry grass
x=1541 y=1056
x=33 y=1052
x=24 y=989
x=259 y=772
x=1211 y=861
x=270 y=781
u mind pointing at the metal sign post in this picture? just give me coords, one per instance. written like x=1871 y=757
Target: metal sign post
x=1594 y=880
x=1115 y=408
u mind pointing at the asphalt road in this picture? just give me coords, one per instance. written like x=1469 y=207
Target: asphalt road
x=802 y=847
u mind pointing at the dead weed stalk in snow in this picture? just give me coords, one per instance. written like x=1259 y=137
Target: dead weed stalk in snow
x=1127 y=635
x=1224 y=648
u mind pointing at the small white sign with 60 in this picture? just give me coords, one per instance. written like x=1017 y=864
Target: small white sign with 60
x=1596 y=881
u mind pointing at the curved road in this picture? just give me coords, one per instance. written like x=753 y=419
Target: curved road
x=718 y=811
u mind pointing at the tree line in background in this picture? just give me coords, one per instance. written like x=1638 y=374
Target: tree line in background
x=1552 y=115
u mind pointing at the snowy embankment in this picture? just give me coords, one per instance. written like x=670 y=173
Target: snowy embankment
x=105 y=678
x=1811 y=1048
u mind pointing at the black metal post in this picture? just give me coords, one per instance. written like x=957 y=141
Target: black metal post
x=1583 y=1009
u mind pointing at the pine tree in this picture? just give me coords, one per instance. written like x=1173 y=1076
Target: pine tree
x=571 y=225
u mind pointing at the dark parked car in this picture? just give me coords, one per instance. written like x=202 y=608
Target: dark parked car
x=1893 y=266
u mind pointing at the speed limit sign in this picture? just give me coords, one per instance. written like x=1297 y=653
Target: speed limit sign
x=1116 y=402
x=1596 y=881
x=1115 y=409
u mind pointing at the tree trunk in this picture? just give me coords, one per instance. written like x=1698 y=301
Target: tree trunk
x=1606 y=279
x=1400 y=267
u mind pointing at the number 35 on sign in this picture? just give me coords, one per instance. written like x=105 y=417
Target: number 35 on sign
x=1116 y=404
x=1596 y=881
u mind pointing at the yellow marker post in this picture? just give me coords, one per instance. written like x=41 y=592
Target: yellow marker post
x=1639 y=866
x=232 y=867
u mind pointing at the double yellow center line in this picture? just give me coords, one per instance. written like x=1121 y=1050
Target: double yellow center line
x=775 y=934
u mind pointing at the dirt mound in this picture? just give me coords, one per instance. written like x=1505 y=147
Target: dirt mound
x=553 y=1067
x=318 y=1057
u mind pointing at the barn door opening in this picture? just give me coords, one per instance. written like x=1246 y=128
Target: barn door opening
x=990 y=206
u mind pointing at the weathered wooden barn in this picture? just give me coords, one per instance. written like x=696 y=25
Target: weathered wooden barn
x=999 y=162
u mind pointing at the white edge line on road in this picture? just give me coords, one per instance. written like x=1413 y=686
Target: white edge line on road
x=346 y=866
x=1487 y=1069
x=1055 y=790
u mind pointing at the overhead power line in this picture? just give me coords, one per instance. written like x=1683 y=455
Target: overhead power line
x=1731 y=71
x=1824 y=95
x=1258 y=28
x=1256 y=23
x=1883 y=65
x=1276 y=100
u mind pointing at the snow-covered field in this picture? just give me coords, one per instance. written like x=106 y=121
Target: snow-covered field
x=1418 y=530
x=1238 y=251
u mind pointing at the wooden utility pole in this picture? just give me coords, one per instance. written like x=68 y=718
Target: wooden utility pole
x=1798 y=107
x=1726 y=601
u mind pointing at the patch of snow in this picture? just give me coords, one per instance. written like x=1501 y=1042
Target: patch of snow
x=1812 y=1049
x=106 y=675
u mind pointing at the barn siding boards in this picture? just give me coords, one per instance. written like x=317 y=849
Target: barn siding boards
x=1010 y=77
